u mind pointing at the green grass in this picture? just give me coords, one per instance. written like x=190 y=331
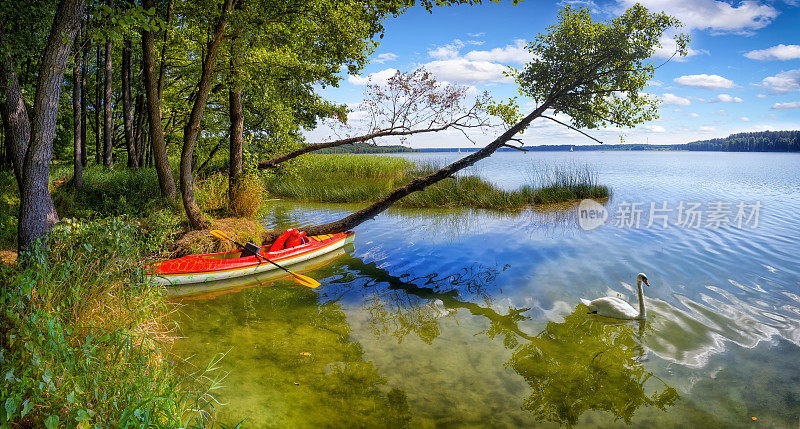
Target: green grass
x=565 y=183
x=366 y=178
x=85 y=335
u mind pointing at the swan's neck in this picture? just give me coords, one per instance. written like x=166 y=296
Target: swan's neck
x=641 y=298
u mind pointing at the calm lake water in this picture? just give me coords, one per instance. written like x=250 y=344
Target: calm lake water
x=473 y=318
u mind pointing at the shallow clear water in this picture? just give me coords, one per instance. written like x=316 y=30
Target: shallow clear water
x=473 y=318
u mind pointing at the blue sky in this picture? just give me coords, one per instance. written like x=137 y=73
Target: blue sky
x=743 y=72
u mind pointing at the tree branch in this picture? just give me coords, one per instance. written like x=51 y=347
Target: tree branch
x=571 y=127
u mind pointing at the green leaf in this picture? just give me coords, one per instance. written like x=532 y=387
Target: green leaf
x=11 y=407
x=51 y=422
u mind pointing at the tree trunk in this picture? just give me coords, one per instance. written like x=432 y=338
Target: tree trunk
x=159 y=148
x=127 y=107
x=77 y=164
x=138 y=129
x=163 y=64
x=192 y=128
x=84 y=101
x=36 y=213
x=418 y=184
x=98 y=105
x=237 y=121
x=108 y=120
x=16 y=124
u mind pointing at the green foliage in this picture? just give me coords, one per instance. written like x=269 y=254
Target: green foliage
x=9 y=209
x=595 y=71
x=111 y=193
x=83 y=336
x=508 y=112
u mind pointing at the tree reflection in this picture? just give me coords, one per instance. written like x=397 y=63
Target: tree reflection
x=582 y=364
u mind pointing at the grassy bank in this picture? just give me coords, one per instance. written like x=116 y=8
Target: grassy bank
x=85 y=335
x=365 y=178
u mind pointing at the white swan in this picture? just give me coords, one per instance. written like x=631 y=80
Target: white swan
x=611 y=306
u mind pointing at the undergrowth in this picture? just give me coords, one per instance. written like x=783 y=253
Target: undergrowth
x=85 y=336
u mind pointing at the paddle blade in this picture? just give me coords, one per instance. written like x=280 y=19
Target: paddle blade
x=219 y=234
x=305 y=280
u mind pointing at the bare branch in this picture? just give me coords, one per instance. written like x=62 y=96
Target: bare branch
x=571 y=127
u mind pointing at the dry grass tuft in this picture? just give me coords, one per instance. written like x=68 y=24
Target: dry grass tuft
x=247 y=197
x=240 y=229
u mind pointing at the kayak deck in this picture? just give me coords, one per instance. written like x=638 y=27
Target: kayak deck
x=225 y=265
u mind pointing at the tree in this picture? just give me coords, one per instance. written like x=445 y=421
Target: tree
x=159 y=147
x=409 y=103
x=592 y=71
x=77 y=116
x=33 y=146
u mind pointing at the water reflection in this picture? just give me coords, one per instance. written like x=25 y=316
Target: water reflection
x=290 y=360
x=583 y=364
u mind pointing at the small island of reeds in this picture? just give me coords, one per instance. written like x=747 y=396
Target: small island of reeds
x=366 y=178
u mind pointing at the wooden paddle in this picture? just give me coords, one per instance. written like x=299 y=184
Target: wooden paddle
x=298 y=278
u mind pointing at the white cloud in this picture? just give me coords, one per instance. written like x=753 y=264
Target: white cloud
x=725 y=98
x=714 y=15
x=782 y=82
x=654 y=128
x=744 y=119
x=462 y=70
x=478 y=34
x=778 y=52
x=786 y=106
x=707 y=81
x=378 y=78
x=674 y=99
x=515 y=53
x=694 y=115
x=382 y=58
x=447 y=51
x=706 y=128
x=668 y=48
x=761 y=95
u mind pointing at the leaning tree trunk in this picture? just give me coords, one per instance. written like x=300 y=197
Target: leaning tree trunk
x=108 y=146
x=77 y=165
x=418 y=184
x=127 y=112
x=35 y=217
x=237 y=122
x=157 y=144
x=192 y=128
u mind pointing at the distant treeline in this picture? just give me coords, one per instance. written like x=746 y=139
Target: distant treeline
x=762 y=141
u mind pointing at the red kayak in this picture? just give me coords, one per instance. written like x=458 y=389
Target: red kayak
x=226 y=265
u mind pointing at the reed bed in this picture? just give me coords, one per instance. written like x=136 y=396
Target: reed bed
x=367 y=178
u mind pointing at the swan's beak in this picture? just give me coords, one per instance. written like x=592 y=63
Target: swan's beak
x=646 y=282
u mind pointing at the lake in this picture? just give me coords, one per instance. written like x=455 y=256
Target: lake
x=446 y=317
